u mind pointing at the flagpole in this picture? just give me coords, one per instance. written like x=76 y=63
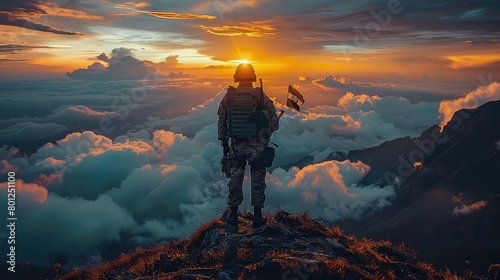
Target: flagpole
x=283 y=111
x=288 y=90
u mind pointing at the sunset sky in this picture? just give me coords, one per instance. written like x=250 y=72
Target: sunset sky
x=386 y=41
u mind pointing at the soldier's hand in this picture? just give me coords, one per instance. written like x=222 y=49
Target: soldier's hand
x=225 y=149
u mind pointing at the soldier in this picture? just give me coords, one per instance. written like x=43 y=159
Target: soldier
x=249 y=139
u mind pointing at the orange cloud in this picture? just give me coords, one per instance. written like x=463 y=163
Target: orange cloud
x=418 y=165
x=162 y=139
x=34 y=191
x=44 y=180
x=471 y=61
x=249 y=29
x=173 y=15
x=165 y=168
x=7 y=167
x=326 y=174
x=472 y=100
x=51 y=161
x=467 y=209
x=350 y=100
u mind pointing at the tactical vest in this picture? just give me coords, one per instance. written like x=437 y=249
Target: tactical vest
x=243 y=106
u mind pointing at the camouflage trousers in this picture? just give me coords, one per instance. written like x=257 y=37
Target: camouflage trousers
x=246 y=151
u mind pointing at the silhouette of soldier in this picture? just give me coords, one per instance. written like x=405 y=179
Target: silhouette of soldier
x=247 y=117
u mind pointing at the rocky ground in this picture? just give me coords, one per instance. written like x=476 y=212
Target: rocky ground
x=287 y=247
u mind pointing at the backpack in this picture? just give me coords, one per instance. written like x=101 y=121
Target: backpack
x=246 y=117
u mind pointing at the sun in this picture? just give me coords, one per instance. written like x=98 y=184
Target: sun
x=241 y=61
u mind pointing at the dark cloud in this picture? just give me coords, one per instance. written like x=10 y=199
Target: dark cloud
x=179 y=75
x=13 y=49
x=21 y=7
x=122 y=66
x=19 y=13
x=381 y=89
x=171 y=62
x=13 y=59
x=35 y=26
x=22 y=133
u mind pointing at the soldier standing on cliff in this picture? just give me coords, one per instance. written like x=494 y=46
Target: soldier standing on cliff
x=247 y=117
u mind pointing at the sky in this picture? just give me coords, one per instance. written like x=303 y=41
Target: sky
x=382 y=41
x=109 y=107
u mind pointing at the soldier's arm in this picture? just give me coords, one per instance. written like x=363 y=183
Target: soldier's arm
x=269 y=106
x=222 y=121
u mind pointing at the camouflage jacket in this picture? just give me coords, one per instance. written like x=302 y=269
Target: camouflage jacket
x=223 y=110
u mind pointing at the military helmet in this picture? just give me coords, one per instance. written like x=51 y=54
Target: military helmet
x=244 y=72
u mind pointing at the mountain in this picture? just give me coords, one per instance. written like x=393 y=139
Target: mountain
x=287 y=247
x=447 y=205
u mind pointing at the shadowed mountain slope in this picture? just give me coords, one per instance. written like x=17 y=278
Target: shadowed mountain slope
x=447 y=207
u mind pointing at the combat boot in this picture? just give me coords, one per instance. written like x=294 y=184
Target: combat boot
x=232 y=219
x=258 y=220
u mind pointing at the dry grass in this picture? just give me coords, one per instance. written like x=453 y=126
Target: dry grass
x=494 y=271
x=362 y=259
x=335 y=232
x=243 y=253
x=339 y=266
x=198 y=235
x=366 y=248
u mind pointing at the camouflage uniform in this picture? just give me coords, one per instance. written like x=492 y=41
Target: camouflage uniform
x=246 y=150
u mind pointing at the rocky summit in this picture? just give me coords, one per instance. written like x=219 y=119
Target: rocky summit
x=289 y=246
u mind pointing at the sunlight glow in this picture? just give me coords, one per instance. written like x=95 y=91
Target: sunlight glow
x=240 y=61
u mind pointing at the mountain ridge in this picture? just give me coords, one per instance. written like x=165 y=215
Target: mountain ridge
x=289 y=246
x=446 y=206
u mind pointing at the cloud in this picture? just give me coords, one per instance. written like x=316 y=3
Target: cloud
x=26 y=132
x=13 y=48
x=247 y=29
x=59 y=11
x=464 y=209
x=219 y=67
x=158 y=175
x=68 y=106
x=473 y=61
x=179 y=75
x=396 y=89
x=22 y=13
x=81 y=227
x=159 y=183
x=35 y=26
x=23 y=132
x=328 y=189
x=29 y=192
x=81 y=113
x=174 y=15
x=97 y=66
x=5 y=167
x=170 y=61
x=472 y=100
x=122 y=66
x=160 y=186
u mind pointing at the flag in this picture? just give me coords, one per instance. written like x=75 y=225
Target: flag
x=294 y=97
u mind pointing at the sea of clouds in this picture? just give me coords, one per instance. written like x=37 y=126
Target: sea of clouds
x=156 y=175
